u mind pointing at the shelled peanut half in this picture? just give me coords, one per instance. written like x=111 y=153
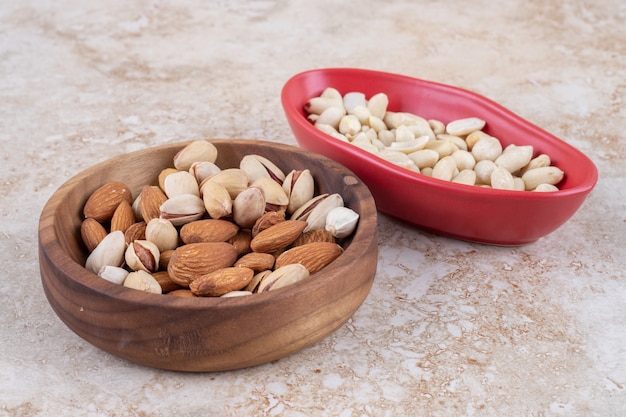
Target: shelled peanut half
x=208 y=231
x=459 y=151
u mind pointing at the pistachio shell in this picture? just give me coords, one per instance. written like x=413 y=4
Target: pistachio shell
x=198 y=150
x=299 y=186
x=282 y=277
x=248 y=206
x=181 y=182
x=142 y=281
x=142 y=255
x=109 y=252
x=341 y=221
x=202 y=170
x=182 y=209
x=272 y=191
x=114 y=274
x=317 y=218
x=257 y=166
x=162 y=233
x=217 y=200
x=235 y=180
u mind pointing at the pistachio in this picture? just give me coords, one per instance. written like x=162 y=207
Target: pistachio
x=235 y=180
x=317 y=218
x=253 y=285
x=275 y=197
x=299 y=187
x=182 y=209
x=248 y=206
x=181 y=182
x=202 y=170
x=257 y=166
x=109 y=252
x=162 y=233
x=217 y=201
x=282 y=277
x=341 y=221
x=142 y=255
x=114 y=274
x=198 y=150
x=142 y=281
x=163 y=174
x=304 y=211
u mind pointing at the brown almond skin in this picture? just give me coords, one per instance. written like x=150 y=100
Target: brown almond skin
x=268 y=219
x=123 y=217
x=92 y=232
x=164 y=259
x=316 y=235
x=150 y=202
x=136 y=231
x=314 y=256
x=102 y=203
x=241 y=241
x=166 y=283
x=278 y=236
x=256 y=261
x=190 y=262
x=208 y=230
x=221 y=281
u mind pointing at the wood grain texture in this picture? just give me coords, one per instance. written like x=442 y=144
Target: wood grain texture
x=203 y=334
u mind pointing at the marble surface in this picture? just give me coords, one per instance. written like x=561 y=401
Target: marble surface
x=450 y=328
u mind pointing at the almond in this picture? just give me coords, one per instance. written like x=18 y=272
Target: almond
x=102 y=203
x=92 y=233
x=268 y=219
x=123 y=217
x=208 y=230
x=190 y=262
x=136 y=231
x=221 y=281
x=150 y=201
x=165 y=281
x=256 y=261
x=241 y=241
x=317 y=235
x=183 y=292
x=314 y=256
x=278 y=236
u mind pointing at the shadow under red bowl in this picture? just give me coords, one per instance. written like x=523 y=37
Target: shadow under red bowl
x=465 y=212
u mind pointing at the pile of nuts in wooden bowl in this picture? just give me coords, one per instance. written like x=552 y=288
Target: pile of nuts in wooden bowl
x=203 y=232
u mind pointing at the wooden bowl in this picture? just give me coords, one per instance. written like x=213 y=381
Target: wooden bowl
x=498 y=217
x=203 y=334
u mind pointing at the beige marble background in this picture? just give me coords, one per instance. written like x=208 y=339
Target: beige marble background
x=450 y=328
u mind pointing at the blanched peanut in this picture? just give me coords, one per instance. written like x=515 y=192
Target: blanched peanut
x=349 y=125
x=466 y=176
x=543 y=175
x=464 y=160
x=424 y=158
x=442 y=147
x=437 y=126
x=331 y=116
x=541 y=160
x=457 y=141
x=515 y=157
x=483 y=170
x=445 y=168
x=352 y=100
x=487 y=147
x=546 y=188
x=501 y=179
x=464 y=127
x=377 y=105
x=459 y=151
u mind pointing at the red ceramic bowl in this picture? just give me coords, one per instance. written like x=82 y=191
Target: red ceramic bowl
x=465 y=212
